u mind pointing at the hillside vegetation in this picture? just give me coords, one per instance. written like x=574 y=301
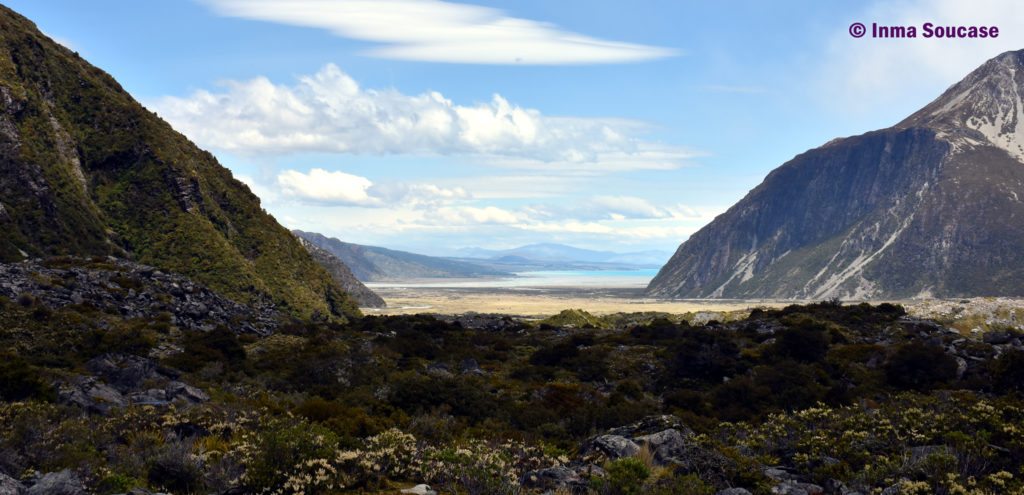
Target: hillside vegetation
x=86 y=170
x=841 y=399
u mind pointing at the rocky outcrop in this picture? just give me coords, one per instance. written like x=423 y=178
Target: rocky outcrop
x=341 y=274
x=931 y=207
x=132 y=291
x=60 y=483
x=10 y=486
x=665 y=438
x=119 y=380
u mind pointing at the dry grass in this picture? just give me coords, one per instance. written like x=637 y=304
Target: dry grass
x=429 y=300
x=646 y=456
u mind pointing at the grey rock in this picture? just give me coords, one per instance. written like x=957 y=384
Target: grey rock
x=60 y=483
x=123 y=371
x=439 y=370
x=180 y=390
x=10 y=486
x=90 y=394
x=552 y=478
x=615 y=446
x=665 y=444
x=961 y=366
x=997 y=337
x=652 y=424
x=892 y=490
x=103 y=289
x=471 y=367
x=733 y=491
x=777 y=473
x=103 y=393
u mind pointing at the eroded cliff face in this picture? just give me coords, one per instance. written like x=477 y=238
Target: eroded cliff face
x=930 y=207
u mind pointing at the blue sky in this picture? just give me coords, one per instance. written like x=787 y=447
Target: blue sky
x=430 y=126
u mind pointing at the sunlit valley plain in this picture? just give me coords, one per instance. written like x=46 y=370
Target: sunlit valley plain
x=435 y=247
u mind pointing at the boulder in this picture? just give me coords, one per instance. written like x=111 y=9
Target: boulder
x=997 y=337
x=652 y=424
x=797 y=488
x=90 y=394
x=60 y=483
x=186 y=392
x=733 y=491
x=123 y=371
x=552 y=478
x=615 y=446
x=10 y=486
x=665 y=444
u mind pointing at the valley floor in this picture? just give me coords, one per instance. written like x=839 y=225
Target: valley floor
x=542 y=302
x=966 y=315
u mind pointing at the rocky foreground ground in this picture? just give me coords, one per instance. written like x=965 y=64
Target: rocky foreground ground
x=102 y=395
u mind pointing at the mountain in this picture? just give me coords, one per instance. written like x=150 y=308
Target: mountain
x=342 y=274
x=86 y=170
x=377 y=264
x=560 y=252
x=931 y=207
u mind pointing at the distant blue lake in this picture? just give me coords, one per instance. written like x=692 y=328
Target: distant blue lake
x=541 y=279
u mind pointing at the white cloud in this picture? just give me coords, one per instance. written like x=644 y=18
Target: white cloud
x=418 y=194
x=648 y=222
x=464 y=215
x=616 y=208
x=437 y=31
x=329 y=112
x=320 y=186
x=629 y=207
x=867 y=74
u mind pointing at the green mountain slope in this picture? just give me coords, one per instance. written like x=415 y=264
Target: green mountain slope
x=86 y=170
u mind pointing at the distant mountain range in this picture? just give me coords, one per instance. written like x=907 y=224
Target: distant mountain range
x=377 y=264
x=931 y=207
x=86 y=170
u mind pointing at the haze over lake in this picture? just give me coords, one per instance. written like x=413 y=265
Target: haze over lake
x=540 y=279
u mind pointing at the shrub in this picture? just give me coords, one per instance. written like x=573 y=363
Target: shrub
x=808 y=342
x=176 y=469
x=626 y=476
x=20 y=380
x=201 y=348
x=1008 y=371
x=280 y=447
x=689 y=484
x=920 y=367
x=703 y=354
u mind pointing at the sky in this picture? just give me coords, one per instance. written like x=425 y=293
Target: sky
x=430 y=125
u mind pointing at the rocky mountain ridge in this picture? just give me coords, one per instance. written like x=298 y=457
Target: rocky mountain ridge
x=341 y=274
x=931 y=207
